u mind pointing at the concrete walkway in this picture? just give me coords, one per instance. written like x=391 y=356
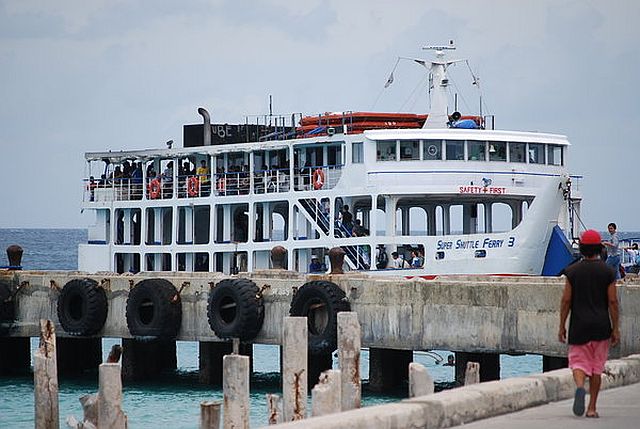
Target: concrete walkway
x=618 y=408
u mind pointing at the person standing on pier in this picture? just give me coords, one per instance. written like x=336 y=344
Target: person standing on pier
x=613 y=249
x=590 y=296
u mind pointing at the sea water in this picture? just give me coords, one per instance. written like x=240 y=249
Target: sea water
x=173 y=400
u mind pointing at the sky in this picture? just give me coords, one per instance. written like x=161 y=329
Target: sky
x=79 y=76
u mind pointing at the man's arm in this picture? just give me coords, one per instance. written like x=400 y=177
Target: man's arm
x=613 y=313
x=565 y=306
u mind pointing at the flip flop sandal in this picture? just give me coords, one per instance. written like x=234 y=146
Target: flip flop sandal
x=578 y=401
x=594 y=415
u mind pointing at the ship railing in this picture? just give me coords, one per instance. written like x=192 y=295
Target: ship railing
x=194 y=185
x=271 y=181
x=112 y=189
x=306 y=178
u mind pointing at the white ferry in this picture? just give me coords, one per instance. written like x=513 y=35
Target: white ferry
x=375 y=184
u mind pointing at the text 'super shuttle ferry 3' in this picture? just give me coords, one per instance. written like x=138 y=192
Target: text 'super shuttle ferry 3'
x=415 y=195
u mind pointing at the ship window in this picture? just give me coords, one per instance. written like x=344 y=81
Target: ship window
x=516 y=152
x=477 y=150
x=432 y=149
x=409 y=150
x=497 y=151
x=386 y=150
x=554 y=155
x=455 y=149
x=536 y=153
x=357 y=153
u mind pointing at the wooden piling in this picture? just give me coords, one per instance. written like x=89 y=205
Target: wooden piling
x=294 y=368
x=235 y=386
x=326 y=395
x=349 y=360
x=110 y=414
x=420 y=382
x=274 y=409
x=45 y=375
x=210 y=414
x=472 y=375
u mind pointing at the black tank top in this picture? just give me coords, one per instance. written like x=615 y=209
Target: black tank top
x=589 y=320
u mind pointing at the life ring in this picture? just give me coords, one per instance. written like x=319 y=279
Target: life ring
x=193 y=186
x=154 y=189
x=235 y=309
x=154 y=309
x=320 y=302
x=7 y=307
x=318 y=179
x=221 y=184
x=82 y=307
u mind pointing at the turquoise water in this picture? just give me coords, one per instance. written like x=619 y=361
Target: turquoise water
x=173 y=400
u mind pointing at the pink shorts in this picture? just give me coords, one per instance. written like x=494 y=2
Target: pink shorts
x=589 y=357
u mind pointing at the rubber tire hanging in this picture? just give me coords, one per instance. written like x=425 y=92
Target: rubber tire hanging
x=154 y=309
x=82 y=307
x=320 y=302
x=235 y=309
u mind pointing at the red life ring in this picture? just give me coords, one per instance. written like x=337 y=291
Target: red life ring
x=154 y=189
x=318 y=179
x=193 y=186
x=221 y=184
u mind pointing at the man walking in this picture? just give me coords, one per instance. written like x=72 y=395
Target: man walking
x=590 y=296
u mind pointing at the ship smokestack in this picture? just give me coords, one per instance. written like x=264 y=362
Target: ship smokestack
x=207 y=125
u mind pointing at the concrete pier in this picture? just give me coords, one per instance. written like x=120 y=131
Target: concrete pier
x=388 y=368
x=76 y=355
x=551 y=363
x=144 y=360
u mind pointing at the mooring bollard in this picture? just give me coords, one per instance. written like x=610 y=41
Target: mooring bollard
x=14 y=256
x=349 y=359
x=472 y=375
x=336 y=258
x=274 y=409
x=210 y=414
x=45 y=378
x=420 y=382
x=279 y=258
x=110 y=414
x=294 y=368
x=235 y=387
x=326 y=396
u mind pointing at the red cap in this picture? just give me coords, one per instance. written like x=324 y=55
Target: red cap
x=590 y=236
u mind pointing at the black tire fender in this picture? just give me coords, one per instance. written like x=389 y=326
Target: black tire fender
x=154 y=309
x=82 y=307
x=235 y=309
x=320 y=302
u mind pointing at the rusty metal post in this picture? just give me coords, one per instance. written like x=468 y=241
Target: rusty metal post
x=336 y=257
x=349 y=359
x=45 y=379
x=326 y=397
x=294 y=368
x=110 y=414
x=14 y=256
x=472 y=375
x=235 y=387
x=210 y=414
x=420 y=382
x=274 y=409
x=279 y=257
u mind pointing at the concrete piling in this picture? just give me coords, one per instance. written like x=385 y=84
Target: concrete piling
x=14 y=358
x=210 y=355
x=420 y=381
x=45 y=375
x=274 y=409
x=110 y=414
x=388 y=368
x=551 y=363
x=326 y=395
x=294 y=371
x=316 y=365
x=210 y=414
x=349 y=359
x=472 y=375
x=76 y=355
x=235 y=387
x=144 y=360
x=489 y=366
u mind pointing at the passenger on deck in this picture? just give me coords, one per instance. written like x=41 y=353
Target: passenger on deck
x=315 y=266
x=91 y=186
x=203 y=177
x=359 y=230
x=167 y=180
x=136 y=181
x=397 y=262
x=346 y=219
x=415 y=260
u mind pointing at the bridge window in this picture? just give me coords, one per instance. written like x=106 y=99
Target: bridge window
x=516 y=152
x=454 y=149
x=554 y=155
x=386 y=150
x=536 y=153
x=432 y=149
x=477 y=150
x=357 y=153
x=497 y=151
x=409 y=150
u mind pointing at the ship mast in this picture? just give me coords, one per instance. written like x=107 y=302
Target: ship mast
x=438 y=113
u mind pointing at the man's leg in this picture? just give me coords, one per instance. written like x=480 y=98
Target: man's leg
x=594 y=388
x=578 y=401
